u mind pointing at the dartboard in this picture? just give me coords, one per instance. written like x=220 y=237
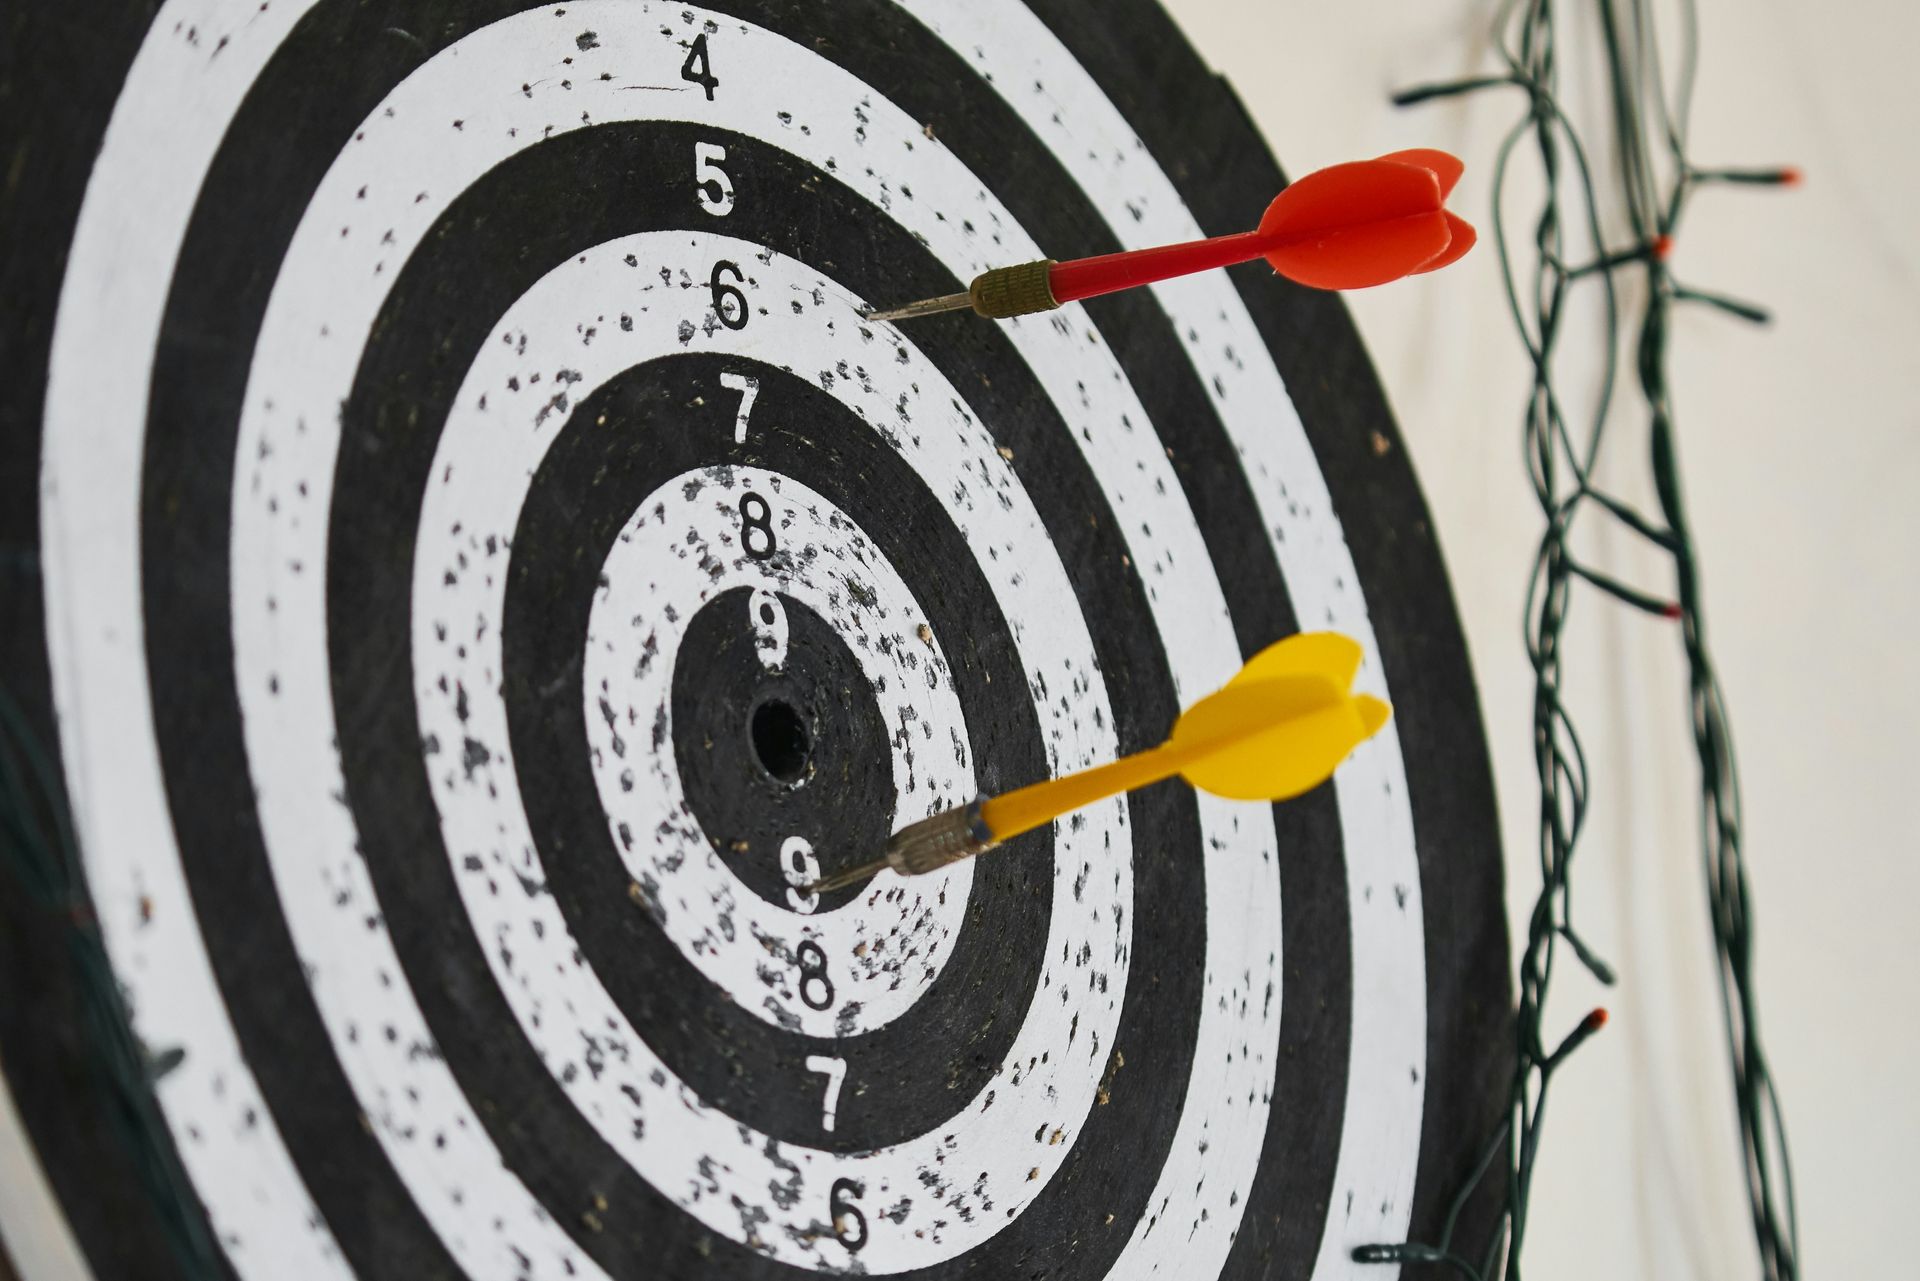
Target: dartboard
x=481 y=566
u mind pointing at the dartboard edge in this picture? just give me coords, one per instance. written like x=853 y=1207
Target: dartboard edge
x=467 y=563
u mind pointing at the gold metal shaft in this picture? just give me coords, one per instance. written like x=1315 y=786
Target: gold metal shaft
x=847 y=876
x=1019 y=290
x=919 y=848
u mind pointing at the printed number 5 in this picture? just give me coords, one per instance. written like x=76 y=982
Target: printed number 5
x=715 y=188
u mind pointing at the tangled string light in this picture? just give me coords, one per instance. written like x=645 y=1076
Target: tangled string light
x=1657 y=178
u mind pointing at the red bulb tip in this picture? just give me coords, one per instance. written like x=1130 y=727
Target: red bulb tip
x=1790 y=175
x=1670 y=610
x=1662 y=246
x=1597 y=1019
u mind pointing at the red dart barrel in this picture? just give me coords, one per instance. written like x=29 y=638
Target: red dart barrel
x=1346 y=227
x=1091 y=277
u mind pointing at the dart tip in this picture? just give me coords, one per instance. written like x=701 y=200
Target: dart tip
x=844 y=878
x=924 y=307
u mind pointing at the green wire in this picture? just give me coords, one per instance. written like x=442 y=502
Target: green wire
x=37 y=843
x=1649 y=133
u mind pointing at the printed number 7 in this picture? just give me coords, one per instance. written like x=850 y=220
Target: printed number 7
x=748 y=387
x=835 y=1070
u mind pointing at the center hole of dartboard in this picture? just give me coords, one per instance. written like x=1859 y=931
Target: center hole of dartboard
x=780 y=740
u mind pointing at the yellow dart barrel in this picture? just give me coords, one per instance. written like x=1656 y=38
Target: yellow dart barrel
x=1039 y=804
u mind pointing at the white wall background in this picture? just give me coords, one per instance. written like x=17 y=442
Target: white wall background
x=1802 y=464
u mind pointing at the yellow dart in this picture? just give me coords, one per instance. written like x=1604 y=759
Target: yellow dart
x=1277 y=729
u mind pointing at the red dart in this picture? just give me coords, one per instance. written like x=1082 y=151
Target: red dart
x=1345 y=227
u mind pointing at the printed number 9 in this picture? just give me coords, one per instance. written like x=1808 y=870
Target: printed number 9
x=801 y=868
x=769 y=619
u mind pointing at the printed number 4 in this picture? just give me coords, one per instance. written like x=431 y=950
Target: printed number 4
x=835 y=1070
x=698 y=68
x=710 y=180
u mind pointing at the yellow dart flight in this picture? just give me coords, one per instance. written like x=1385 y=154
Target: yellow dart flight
x=1277 y=729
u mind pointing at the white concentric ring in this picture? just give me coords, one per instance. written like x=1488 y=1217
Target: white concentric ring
x=709 y=1163
x=496 y=436
x=680 y=551
x=129 y=233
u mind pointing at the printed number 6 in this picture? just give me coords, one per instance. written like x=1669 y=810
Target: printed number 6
x=715 y=188
x=729 y=304
x=848 y=1223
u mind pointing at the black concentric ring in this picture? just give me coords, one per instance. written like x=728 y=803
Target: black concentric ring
x=773 y=751
x=380 y=479
x=622 y=442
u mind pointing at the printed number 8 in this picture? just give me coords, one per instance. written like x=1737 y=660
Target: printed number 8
x=756 y=526
x=816 y=989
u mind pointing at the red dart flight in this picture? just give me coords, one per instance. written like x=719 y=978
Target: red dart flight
x=1345 y=227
